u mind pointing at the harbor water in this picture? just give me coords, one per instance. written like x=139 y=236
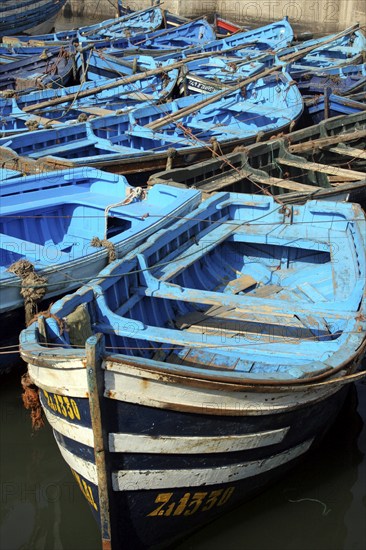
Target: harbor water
x=320 y=505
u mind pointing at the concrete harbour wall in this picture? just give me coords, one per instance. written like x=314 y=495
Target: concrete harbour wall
x=318 y=16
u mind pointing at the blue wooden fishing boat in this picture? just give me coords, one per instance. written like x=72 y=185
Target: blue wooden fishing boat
x=27 y=16
x=342 y=81
x=310 y=72
x=184 y=127
x=230 y=340
x=146 y=20
x=347 y=49
x=218 y=72
x=51 y=219
x=54 y=67
x=194 y=38
x=100 y=64
x=34 y=110
x=160 y=42
x=330 y=105
x=274 y=35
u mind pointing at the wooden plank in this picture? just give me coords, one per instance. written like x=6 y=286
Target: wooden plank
x=98 y=111
x=222 y=180
x=94 y=355
x=325 y=141
x=285 y=184
x=323 y=168
x=43 y=120
x=240 y=284
x=348 y=151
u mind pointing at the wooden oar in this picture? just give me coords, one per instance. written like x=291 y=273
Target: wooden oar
x=215 y=97
x=124 y=80
x=326 y=141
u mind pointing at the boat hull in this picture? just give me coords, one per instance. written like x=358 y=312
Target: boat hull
x=175 y=467
x=29 y=16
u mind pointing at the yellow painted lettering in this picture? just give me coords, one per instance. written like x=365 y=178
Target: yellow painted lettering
x=225 y=497
x=196 y=501
x=75 y=409
x=162 y=498
x=60 y=401
x=211 y=500
x=182 y=504
x=69 y=411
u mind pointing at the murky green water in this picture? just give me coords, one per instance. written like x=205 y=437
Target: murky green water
x=319 y=506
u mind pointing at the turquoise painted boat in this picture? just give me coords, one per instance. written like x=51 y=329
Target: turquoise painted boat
x=137 y=22
x=218 y=353
x=21 y=112
x=150 y=135
x=49 y=220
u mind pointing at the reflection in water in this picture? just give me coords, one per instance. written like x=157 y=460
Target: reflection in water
x=41 y=507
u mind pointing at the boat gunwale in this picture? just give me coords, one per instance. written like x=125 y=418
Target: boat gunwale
x=35 y=354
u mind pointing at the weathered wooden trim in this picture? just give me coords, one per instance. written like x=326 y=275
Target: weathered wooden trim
x=94 y=357
x=74 y=431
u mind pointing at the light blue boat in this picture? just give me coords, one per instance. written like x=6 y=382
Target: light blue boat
x=341 y=80
x=50 y=220
x=189 y=39
x=137 y=22
x=345 y=50
x=26 y=15
x=107 y=97
x=331 y=64
x=269 y=105
x=223 y=346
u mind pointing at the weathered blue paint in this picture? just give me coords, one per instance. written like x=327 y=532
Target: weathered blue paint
x=270 y=105
x=53 y=68
x=278 y=296
x=23 y=16
x=146 y=20
x=50 y=219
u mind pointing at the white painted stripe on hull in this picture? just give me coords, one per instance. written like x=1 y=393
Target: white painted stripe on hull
x=68 y=429
x=83 y=467
x=131 y=443
x=130 y=385
x=66 y=378
x=135 y=480
x=135 y=443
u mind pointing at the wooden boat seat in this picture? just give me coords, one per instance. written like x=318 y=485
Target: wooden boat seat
x=63 y=147
x=231 y=320
x=323 y=168
x=191 y=253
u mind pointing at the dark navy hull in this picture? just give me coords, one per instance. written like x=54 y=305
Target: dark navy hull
x=145 y=518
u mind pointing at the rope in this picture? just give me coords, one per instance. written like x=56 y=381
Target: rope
x=99 y=243
x=33 y=287
x=132 y=194
x=31 y=401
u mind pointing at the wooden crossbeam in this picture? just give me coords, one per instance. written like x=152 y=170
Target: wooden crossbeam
x=323 y=168
x=326 y=141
